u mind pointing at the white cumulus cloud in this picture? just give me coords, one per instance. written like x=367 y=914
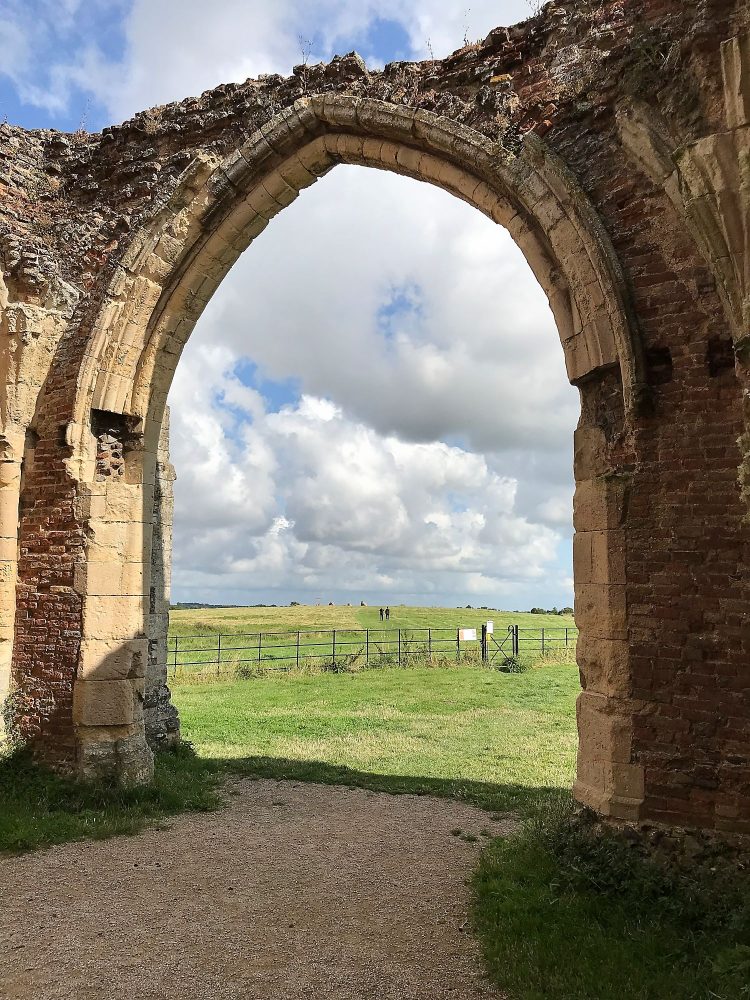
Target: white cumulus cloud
x=425 y=449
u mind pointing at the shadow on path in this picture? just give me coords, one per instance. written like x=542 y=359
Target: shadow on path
x=493 y=796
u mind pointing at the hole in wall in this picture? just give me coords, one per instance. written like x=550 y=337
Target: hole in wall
x=115 y=436
x=720 y=356
x=659 y=366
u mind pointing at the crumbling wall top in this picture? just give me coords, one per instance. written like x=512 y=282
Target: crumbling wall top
x=67 y=202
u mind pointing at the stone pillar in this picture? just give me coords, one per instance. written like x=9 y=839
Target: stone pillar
x=162 y=720
x=608 y=778
x=113 y=581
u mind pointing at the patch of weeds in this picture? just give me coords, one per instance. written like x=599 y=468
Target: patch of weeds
x=563 y=655
x=469 y=838
x=567 y=908
x=9 y=712
x=346 y=664
x=249 y=672
x=513 y=665
x=456 y=831
x=39 y=807
x=654 y=58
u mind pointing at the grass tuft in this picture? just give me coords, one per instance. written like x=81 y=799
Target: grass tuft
x=565 y=910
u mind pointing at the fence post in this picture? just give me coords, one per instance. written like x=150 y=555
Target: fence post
x=429 y=643
x=367 y=647
x=516 y=644
x=542 y=642
x=458 y=645
x=484 y=643
x=297 y=650
x=218 y=655
x=175 y=656
x=334 y=648
x=566 y=638
x=260 y=643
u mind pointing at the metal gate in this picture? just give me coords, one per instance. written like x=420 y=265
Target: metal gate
x=501 y=647
x=518 y=640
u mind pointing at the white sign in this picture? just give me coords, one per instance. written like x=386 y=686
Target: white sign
x=467 y=635
x=490 y=628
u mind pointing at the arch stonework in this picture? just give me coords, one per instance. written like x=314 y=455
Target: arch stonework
x=112 y=245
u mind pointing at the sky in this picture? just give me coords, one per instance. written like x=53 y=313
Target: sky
x=374 y=404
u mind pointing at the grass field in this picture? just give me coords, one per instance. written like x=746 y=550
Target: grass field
x=227 y=641
x=238 y=620
x=502 y=741
x=499 y=740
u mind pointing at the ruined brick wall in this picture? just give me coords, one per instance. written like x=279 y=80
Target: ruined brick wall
x=610 y=138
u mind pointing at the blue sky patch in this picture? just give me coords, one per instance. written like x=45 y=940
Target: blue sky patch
x=53 y=42
x=404 y=301
x=388 y=41
x=276 y=394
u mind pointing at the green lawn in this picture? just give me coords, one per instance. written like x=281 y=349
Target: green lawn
x=224 y=641
x=38 y=808
x=500 y=740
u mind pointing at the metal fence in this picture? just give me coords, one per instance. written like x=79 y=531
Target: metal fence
x=251 y=653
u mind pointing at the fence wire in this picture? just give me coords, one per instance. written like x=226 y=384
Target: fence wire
x=340 y=649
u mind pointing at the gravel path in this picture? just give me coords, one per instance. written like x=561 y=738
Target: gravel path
x=293 y=891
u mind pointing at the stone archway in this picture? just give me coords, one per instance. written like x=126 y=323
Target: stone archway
x=156 y=212
x=176 y=261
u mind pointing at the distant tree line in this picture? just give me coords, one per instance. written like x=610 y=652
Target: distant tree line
x=533 y=611
x=551 y=611
x=199 y=606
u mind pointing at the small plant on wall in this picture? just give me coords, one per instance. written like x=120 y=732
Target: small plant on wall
x=9 y=713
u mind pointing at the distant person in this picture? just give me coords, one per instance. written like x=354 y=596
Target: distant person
x=387 y=614
x=382 y=614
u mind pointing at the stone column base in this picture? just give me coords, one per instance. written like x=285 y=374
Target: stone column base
x=125 y=760
x=162 y=718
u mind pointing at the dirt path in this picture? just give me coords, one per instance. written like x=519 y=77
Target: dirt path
x=294 y=891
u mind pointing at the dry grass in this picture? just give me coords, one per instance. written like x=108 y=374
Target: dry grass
x=303 y=617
